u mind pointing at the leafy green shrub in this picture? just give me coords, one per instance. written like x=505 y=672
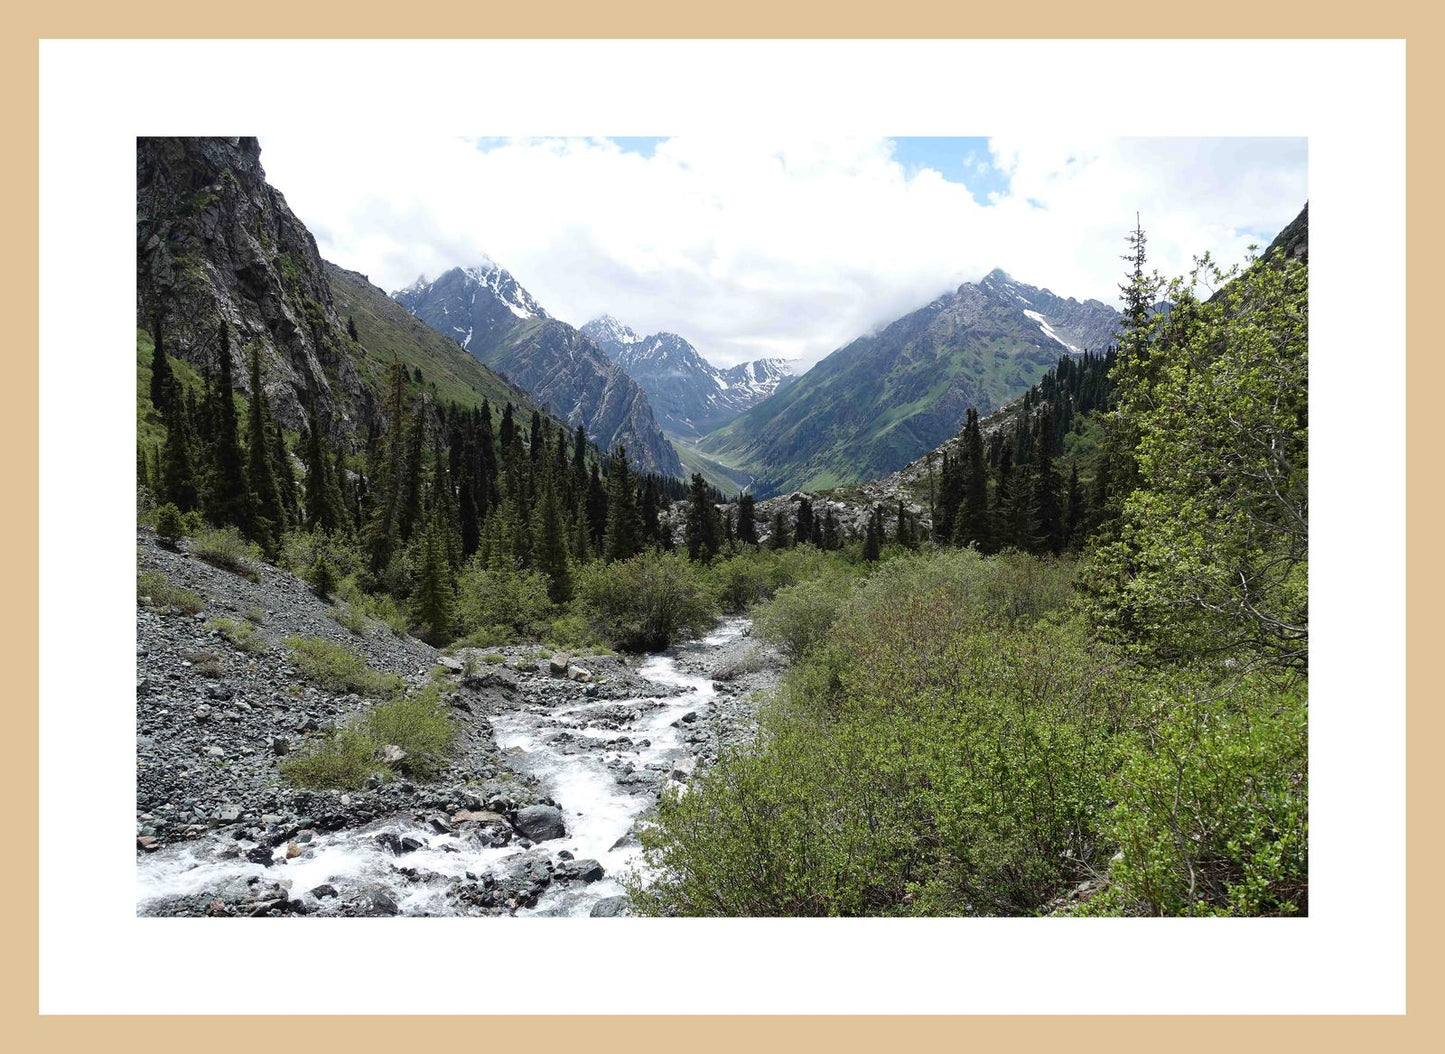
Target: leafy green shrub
x=949 y=768
x=514 y=600
x=571 y=632
x=240 y=634
x=491 y=657
x=254 y=614
x=337 y=668
x=646 y=603
x=343 y=759
x=226 y=548
x=799 y=616
x=157 y=591
x=419 y=724
x=170 y=525
x=322 y=577
x=1212 y=813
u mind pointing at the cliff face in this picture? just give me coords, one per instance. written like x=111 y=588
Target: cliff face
x=214 y=241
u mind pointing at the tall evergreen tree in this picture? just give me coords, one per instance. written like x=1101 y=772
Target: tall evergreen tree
x=163 y=381
x=973 y=521
x=747 y=519
x=549 y=546
x=832 y=538
x=804 y=523
x=1076 y=526
x=433 y=599
x=623 y=536
x=702 y=528
x=228 y=493
x=177 y=480
x=873 y=535
x=779 y=536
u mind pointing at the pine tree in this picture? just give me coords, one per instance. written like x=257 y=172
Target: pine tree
x=747 y=519
x=873 y=535
x=351 y=329
x=779 y=536
x=385 y=486
x=903 y=531
x=229 y=495
x=701 y=529
x=549 y=547
x=804 y=522
x=622 y=539
x=285 y=475
x=176 y=481
x=832 y=538
x=973 y=520
x=651 y=529
x=163 y=381
x=433 y=595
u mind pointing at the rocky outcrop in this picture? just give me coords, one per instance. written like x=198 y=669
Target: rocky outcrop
x=215 y=242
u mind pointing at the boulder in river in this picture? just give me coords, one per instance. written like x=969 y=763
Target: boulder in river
x=540 y=823
x=609 y=908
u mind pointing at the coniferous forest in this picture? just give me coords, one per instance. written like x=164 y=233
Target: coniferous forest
x=1061 y=669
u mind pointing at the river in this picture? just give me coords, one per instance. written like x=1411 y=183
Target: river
x=576 y=764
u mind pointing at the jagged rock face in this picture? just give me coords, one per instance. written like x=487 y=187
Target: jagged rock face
x=215 y=242
x=565 y=370
x=485 y=311
x=883 y=400
x=690 y=395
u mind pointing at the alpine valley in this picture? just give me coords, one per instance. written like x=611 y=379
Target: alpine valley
x=446 y=606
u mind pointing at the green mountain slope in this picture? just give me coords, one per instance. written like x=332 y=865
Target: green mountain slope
x=875 y=405
x=385 y=328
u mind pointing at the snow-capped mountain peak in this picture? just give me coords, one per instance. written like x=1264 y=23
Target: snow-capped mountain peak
x=611 y=335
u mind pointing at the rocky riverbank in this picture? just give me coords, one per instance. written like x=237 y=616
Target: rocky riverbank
x=554 y=755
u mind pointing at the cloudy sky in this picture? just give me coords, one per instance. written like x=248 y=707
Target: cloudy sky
x=787 y=249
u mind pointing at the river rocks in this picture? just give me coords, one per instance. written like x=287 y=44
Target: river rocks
x=580 y=871
x=540 y=823
x=609 y=908
x=557 y=666
x=323 y=891
x=379 y=903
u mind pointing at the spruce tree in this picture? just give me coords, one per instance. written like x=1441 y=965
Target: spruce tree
x=596 y=507
x=803 y=530
x=623 y=536
x=176 y=481
x=701 y=529
x=163 y=381
x=747 y=519
x=549 y=545
x=873 y=535
x=832 y=538
x=779 y=537
x=285 y=475
x=972 y=523
x=229 y=495
x=433 y=594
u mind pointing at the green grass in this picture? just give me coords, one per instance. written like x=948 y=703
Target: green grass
x=227 y=549
x=338 y=668
x=241 y=635
x=345 y=758
x=163 y=594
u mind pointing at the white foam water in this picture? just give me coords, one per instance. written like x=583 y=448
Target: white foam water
x=598 y=811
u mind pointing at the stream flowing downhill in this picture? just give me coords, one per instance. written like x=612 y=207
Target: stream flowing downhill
x=581 y=757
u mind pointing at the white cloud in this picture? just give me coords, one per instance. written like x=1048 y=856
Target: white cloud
x=792 y=248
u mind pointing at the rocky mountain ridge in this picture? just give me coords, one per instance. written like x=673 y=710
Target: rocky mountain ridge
x=486 y=311
x=689 y=394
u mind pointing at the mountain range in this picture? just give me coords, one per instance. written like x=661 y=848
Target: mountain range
x=690 y=395
x=485 y=311
x=874 y=405
x=216 y=242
